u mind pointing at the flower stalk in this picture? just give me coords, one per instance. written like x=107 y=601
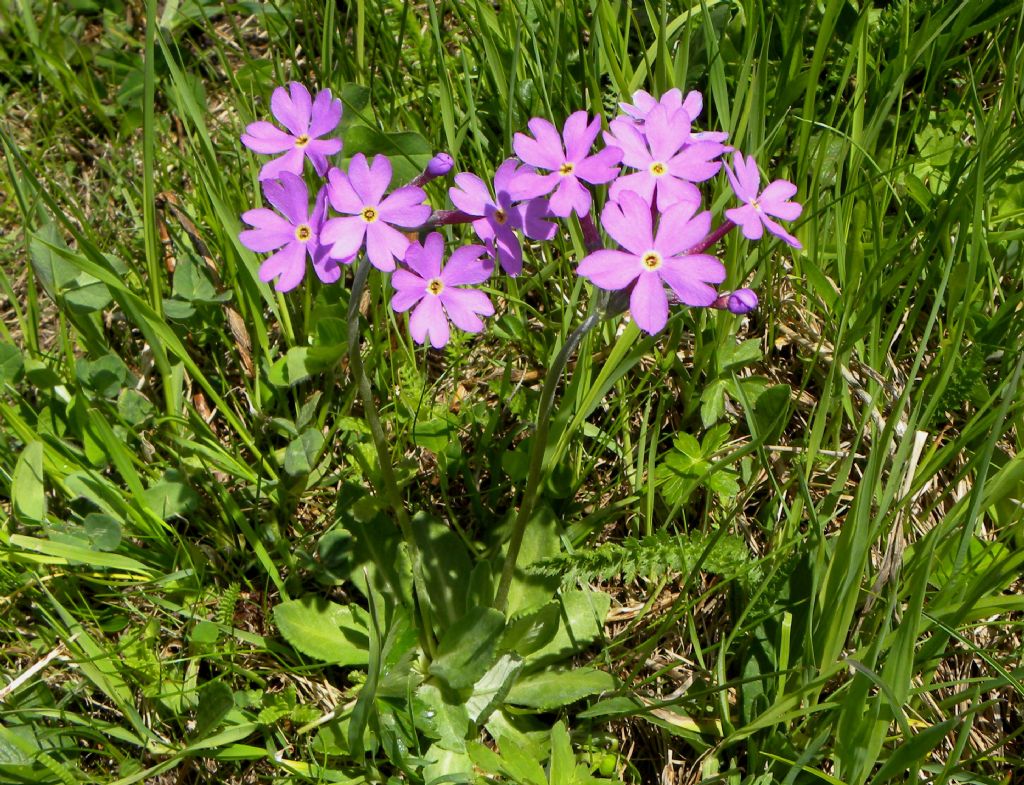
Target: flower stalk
x=540 y=438
x=389 y=489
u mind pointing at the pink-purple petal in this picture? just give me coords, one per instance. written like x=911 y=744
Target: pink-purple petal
x=628 y=222
x=693 y=104
x=533 y=215
x=570 y=196
x=342 y=195
x=292 y=107
x=535 y=153
x=428 y=320
x=530 y=185
x=425 y=259
x=266 y=138
x=290 y=196
x=689 y=288
x=602 y=167
x=679 y=229
x=462 y=307
x=579 y=135
x=504 y=174
x=777 y=191
x=384 y=245
x=288 y=266
x=610 y=270
x=748 y=219
x=290 y=162
x=466 y=266
x=326 y=114
x=781 y=233
x=405 y=207
x=627 y=137
x=345 y=235
x=674 y=191
x=641 y=183
x=648 y=303
x=666 y=134
x=470 y=194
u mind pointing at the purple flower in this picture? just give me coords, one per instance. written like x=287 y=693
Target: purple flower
x=433 y=290
x=742 y=301
x=668 y=160
x=739 y=302
x=774 y=200
x=653 y=259
x=298 y=233
x=567 y=161
x=369 y=216
x=644 y=103
x=499 y=217
x=306 y=121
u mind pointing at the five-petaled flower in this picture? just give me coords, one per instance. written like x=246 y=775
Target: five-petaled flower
x=368 y=216
x=297 y=231
x=306 y=120
x=567 y=159
x=436 y=292
x=669 y=161
x=498 y=217
x=774 y=200
x=652 y=258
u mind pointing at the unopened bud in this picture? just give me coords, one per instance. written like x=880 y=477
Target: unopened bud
x=739 y=302
x=438 y=166
x=742 y=301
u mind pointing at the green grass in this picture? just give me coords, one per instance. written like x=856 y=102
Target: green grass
x=809 y=520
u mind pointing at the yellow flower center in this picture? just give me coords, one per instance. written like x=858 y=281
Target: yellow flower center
x=657 y=168
x=566 y=168
x=302 y=141
x=303 y=232
x=369 y=214
x=652 y=260
x=435 y=286
x=500 y=216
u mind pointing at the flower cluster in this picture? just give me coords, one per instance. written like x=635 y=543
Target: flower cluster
x=653 y=212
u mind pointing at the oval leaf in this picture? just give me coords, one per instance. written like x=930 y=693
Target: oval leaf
x=323 y=630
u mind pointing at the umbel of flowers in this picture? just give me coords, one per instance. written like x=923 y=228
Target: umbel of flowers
x=652 y=160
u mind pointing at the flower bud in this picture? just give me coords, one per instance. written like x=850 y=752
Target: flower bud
x=438 y=166
x=742 y=301
x=739 y=302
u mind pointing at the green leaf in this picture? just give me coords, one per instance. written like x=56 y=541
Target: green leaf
x=12 y=363
x=539 y=542
x=28 y=492
x=105 y=376
x=215 y=702
x=323 y=630
x=446 y=568
x=563 y=762
x=581 y=623
x=434 y=435
x=492 y=688
x=441 y=715
x=530 y=631
x=552 y=689
x=171 y=496
x=735 y=356
x=409 y=152
x=103 y=531
x=770 y=412
x=712 y=402
x=134 y=407
x=301 y=454
x=466 y=649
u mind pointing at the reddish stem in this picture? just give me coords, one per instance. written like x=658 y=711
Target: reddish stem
x=713 y=238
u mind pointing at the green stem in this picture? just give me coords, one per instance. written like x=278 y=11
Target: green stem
x=540 y=438
x=389 y=489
